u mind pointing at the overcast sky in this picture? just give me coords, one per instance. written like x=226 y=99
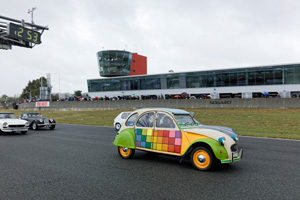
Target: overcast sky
x=182 y=35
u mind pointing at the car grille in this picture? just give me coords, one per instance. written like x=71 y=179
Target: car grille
x=46 y=121
x=15 y=126
x=234 y=148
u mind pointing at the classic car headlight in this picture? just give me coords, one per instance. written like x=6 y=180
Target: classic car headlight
x=26 y=123
x=5 y=124
x=41 y=121
x=222 y=140
x=51 y=120
x=235 y=138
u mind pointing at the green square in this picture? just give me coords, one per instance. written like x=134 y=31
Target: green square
x=154 y=146
x=148 y=145
x=139 y=131
x=144 y=138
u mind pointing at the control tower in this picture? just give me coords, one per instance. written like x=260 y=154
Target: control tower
x=114 y=63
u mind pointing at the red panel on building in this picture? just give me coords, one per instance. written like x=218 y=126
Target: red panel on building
x=138 y=65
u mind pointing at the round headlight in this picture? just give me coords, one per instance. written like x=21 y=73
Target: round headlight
x=51 y=120
x=235 y=138
x=26 y=123
x=222 y=140
x=41 y=120
x=5 y=124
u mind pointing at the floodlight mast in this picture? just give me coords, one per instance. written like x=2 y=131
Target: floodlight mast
x=31 y=11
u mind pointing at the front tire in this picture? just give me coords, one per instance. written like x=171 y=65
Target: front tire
x=118 y=126
x=52 y=127
x=34 y=126
x=126 y=153
x=202 y=158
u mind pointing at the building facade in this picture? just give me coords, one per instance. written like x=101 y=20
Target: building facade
x=251 y=82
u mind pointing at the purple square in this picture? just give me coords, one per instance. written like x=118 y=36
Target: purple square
x=178 y=134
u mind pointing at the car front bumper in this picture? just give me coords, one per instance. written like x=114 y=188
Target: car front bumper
x=9 y=130
x=234 y=157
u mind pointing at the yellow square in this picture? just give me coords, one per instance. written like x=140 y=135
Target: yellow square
x=149 y=132
x=144 y=132
x=155 y=133
x=149 y=139
x=159 y=147
x=154 y=139
x=165 y=147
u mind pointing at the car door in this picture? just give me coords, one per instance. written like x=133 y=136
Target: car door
x=144 y=130
x=166 y=135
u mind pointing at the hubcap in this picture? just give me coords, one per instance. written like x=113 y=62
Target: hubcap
x=124 y=149
x=201 y=158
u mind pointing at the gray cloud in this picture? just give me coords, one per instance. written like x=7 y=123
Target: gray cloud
x=173 y=34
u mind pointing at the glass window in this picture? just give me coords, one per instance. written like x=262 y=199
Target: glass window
x=251 y=78
x=125 y=115
x=278 y=77
x=185 y=119
x=193 y=81
x=164 y=121
x=145 y=120
x=233 y=79
x=269 y=77
x=242 y=78
x=260 y=78
x=130 y=121
x=172 y=82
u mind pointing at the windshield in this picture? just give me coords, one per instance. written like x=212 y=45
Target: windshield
x=34 y=115
x=7 y=116
x=185 y=120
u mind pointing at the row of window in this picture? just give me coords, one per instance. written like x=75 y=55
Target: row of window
x=289 y=74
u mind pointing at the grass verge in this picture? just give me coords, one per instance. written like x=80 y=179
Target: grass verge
x=272 y=123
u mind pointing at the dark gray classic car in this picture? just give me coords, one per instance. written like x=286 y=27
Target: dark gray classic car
x=36 y=120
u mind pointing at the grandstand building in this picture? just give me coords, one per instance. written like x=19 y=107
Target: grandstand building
x=128 y=76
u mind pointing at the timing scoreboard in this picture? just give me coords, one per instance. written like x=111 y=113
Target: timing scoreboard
x=20 y=32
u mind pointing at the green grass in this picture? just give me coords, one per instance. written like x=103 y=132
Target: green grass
x=273 y=123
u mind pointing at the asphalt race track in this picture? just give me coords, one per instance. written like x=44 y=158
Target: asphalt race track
x=80 y=162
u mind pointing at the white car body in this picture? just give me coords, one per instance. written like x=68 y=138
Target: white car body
x=10 y=123
x=120 y=119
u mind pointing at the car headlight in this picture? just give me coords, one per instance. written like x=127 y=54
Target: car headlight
x=26 y=123
x=5 y=124
x=51 y=120
x=41 y=121
x=222 y=140
x=235 y=138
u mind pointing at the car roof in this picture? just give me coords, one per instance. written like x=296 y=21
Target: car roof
x=30 y=112
x=6 y=113
x=171 y=110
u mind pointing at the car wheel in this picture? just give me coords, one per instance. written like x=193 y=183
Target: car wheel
x=23 y=132
x=117 y=126
x=202 y=158
x=34 y=126
x=52 y=127
x=126 y=152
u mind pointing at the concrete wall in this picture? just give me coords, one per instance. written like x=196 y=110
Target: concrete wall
x=172 y=103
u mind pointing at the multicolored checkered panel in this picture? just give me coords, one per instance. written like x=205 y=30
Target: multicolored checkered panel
x=161 y=140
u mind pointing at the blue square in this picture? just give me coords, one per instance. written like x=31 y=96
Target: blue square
x=138 y=138
x=143 y=144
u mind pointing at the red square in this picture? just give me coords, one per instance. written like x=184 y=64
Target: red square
x=171 y=148
x=177 y=149
x=165 y=140
x=166 y=133
x=171 y=141
x=160 y=133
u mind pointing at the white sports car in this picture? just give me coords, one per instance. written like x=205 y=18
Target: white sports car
x=10 y=123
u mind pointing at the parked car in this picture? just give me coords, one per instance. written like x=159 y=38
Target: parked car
x=36 y=120
x=175 y=132
x=119 y=120
x=10 y=123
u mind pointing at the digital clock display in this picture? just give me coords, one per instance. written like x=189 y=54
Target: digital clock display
x=20 y=32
